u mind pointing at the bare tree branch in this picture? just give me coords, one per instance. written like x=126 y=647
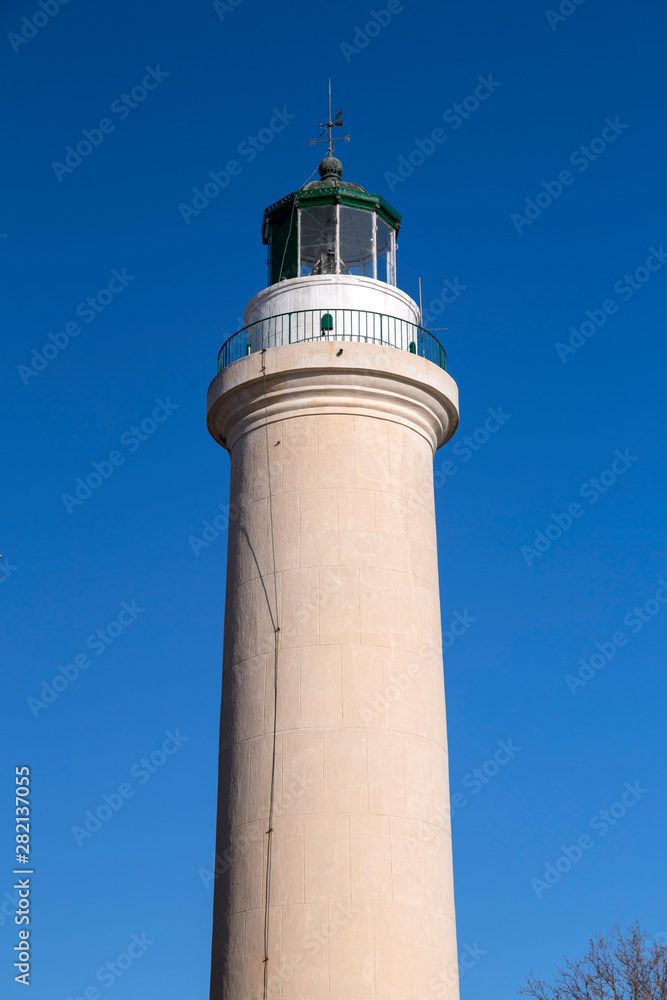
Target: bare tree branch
x=620 y=967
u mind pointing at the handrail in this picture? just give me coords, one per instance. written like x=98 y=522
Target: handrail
x=358 y=325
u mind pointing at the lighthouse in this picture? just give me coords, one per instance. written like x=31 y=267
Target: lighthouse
x=333 y=853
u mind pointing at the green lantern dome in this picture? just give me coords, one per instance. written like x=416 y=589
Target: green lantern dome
x=331 y=226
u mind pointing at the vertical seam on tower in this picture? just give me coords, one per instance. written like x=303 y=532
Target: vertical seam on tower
x=276 y=640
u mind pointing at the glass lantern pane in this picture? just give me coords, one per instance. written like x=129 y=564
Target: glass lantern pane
x=282 y=251
x=385 y=252
x=356 y=242
x=318 y=239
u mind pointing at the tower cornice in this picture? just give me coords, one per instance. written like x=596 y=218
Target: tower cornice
x=335 y=377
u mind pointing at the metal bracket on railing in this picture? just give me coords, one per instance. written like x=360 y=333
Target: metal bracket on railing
x=326 y=324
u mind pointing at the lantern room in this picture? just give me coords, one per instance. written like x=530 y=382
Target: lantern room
x=331 y=226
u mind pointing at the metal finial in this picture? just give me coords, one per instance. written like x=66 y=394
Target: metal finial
x=328 y=127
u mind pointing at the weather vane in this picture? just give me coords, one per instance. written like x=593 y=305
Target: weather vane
x=328 y=128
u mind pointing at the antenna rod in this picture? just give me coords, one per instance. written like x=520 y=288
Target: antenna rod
x=329 y=121
x=328 y=127
x=421 y=315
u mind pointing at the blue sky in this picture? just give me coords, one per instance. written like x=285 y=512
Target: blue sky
x=144 y=355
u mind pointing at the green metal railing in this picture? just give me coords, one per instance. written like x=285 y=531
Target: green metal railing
x=332 y=324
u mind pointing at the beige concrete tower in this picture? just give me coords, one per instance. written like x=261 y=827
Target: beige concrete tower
x=334 y=858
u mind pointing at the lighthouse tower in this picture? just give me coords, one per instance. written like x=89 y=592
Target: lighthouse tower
x=333 y=856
